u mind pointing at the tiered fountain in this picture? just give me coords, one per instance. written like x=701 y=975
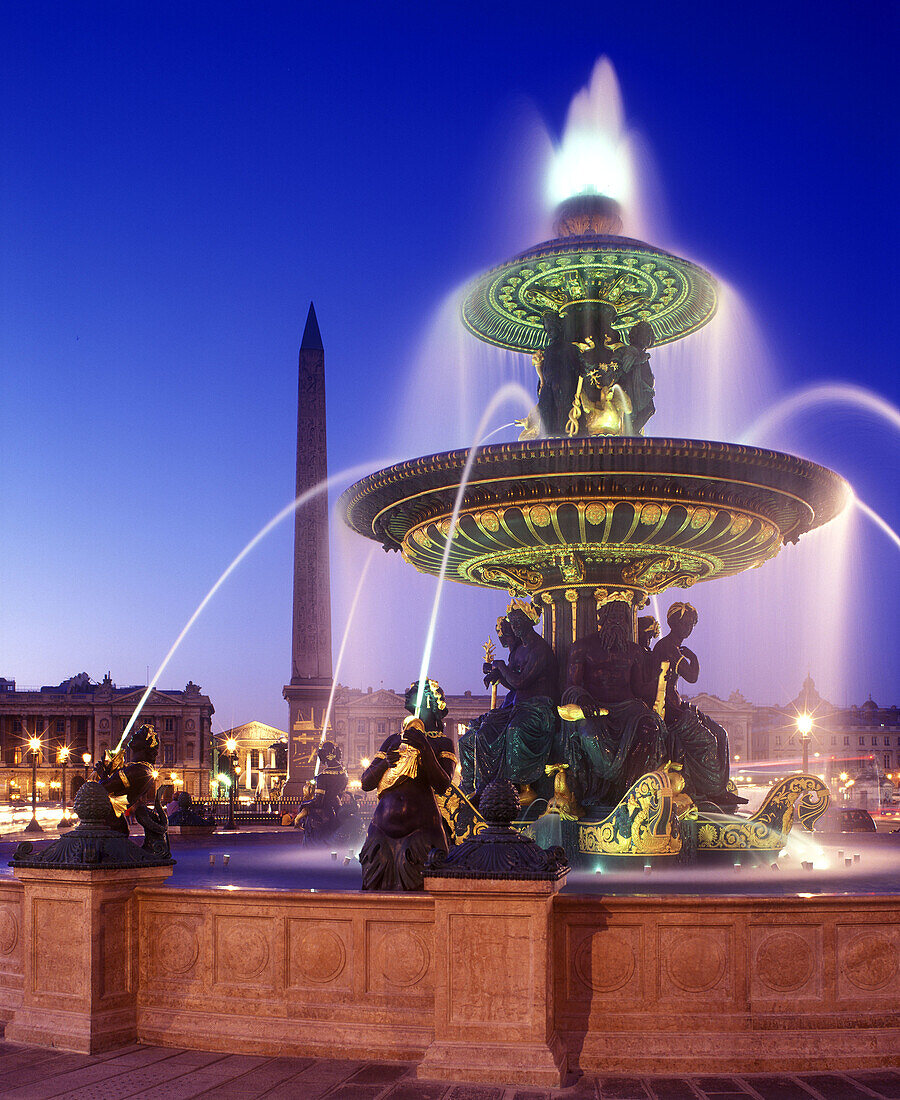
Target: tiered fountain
x=583 y=509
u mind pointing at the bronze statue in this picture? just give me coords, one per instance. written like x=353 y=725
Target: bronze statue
x=407 y=771
x=126 y=784
x=558 y=369
x=648 y=629
x=100 y=840
x=518 y=739
x=616 y=737
x=698 y=743
x=635 y=375
x=325 y=804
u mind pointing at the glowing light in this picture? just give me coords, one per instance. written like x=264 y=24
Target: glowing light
x=224 y=780
x=843 y=777
x=34 y=744
x=86 y=759
x=365 y=762
x=804 y=725
x=593 y=156
x=64 y=753
x=231 y=744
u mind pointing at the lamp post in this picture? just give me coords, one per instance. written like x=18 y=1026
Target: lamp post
x=34 y=825
x=64 y=760
x=231 y=753
x=804 y=728
x=86 y=760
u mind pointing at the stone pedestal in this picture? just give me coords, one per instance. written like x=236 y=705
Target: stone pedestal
x=81 y=978
x=493 y=983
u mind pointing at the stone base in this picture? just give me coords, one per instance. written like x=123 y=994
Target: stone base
x=81 y=957
x=533 y=1064
x=791 y=1050
x=72 y=1031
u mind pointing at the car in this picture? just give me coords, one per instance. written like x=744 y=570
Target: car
x=856 y=820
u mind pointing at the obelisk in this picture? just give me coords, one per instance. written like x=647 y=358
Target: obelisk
x=311 y=674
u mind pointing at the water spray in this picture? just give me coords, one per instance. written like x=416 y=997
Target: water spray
x=508 y=391
x=279 y=517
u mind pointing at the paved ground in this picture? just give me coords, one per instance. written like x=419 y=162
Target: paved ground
x=28 y=1073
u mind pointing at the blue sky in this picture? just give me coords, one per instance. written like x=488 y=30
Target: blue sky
x=180 y=179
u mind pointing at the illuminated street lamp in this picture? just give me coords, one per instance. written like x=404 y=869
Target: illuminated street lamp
x=86 y=760
x=34 y=826
x=64 y=760
x=804 y=728
x=231 y=753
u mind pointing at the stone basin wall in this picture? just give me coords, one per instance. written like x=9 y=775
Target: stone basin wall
x=636 y=984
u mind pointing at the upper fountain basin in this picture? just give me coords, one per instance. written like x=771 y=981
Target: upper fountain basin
x=505 y=305
x=562 y=513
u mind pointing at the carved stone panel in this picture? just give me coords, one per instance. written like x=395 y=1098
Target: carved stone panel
x=318 y=952
x=868 y=960
x=10 y=944
x=399 y=958
x=604 y=963
x=785 y=962
x=172 y=947
x=494 y=992
x=244 y=951
x=696 y=962
x=115 y=946
x=59 y=945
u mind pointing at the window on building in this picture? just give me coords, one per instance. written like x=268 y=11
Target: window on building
x=874 y=740
x=887 y=761
x=123 y=722
x=190 y=750
x=833 y=739
x=360 y=725
x=168 y=754
x=382 y=728
x=777 y=740
x=170 y=725
x=862 y=740
x=81 y=727
x=887 y=740
x=846 y=740
x=60 y=725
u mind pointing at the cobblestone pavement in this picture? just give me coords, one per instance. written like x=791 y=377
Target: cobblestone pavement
x=30 y=1073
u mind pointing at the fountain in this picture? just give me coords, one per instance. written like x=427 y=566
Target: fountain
x=585 y=511
x=490 y=974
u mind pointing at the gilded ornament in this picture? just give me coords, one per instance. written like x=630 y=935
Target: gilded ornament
x=700 y=518
x=540 y=515
x=595 y=513
x=490 y=521
x=643 y=824
x=650 y=513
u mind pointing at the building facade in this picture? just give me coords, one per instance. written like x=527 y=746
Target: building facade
x=261 y=764
x=89 y=719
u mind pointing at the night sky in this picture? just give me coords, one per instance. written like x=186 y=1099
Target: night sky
x=181 y=179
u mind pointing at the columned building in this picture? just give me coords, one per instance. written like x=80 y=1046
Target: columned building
x=261 y=765
x=89 y=719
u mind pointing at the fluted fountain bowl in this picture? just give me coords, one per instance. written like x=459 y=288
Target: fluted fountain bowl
x=551 y=513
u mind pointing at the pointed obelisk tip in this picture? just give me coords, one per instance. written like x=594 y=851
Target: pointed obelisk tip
x=312 y=339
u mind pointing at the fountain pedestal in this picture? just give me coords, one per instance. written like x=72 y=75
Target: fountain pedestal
x=81 y=965
x=493 y=988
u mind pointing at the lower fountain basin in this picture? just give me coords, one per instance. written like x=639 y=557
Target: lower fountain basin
x=555 y=513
